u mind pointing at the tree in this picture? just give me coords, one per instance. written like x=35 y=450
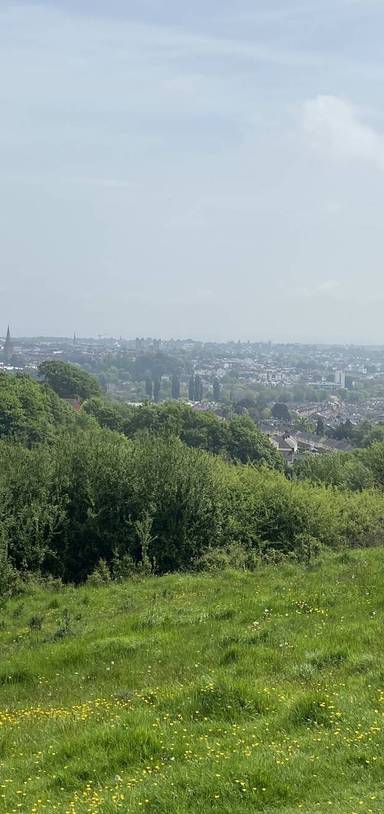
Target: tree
x=156 y=390
x=149 y=388
x=246 y=443
x=216 y=390
x=344 y=470
x=191 y=388
x=30 y=412
x=175 y=387
x=280 y=411
x=303 y=424
x=69 y=381
x=320 y=427
x=108 y=414
x=155 y=365
x=198 y=388
x=344 y=431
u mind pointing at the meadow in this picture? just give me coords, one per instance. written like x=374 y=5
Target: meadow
x=229 y=692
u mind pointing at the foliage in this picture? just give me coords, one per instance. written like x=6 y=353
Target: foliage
x=94 y=495
x=101 y=575
x=30 y=412
x=155 y=365
x=246 y=443
x=320 y=427
x=175 y=387
x=239 y=439
x=234 y=555
x=358 y=470
x=69 y=381
x=32 y=509
x=195 y=388
x=358 y=435
x=281 y=412
x=344 y=431
x=336 y=469
x=161 y=487
x=108 y=414
x=9 y=579
x=216 y=390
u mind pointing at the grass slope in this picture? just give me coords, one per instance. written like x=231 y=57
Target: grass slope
x=230 y=693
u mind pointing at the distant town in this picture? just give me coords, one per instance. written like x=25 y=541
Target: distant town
x=300 y=395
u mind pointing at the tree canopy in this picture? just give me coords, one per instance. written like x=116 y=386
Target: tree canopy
x=239 y=439
x=155 y=365
x=30 y=412
x=69 y=381
x=281 y=412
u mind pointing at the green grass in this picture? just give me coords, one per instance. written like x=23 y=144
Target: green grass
x=229 y=694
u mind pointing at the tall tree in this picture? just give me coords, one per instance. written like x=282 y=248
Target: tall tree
x=198 y=388
x=216 y=390
x=191 y=388
x=281 y=412
x=149 y=388
x=156 y=389
x=320 y=427
x=155 y=365
x=175 y=387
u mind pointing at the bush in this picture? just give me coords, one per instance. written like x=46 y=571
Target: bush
x=96 y=503
x=235 y=556
x=123 y=567
x=101 y=575
x=9 y=578
x=64 y=628
x=35 y=622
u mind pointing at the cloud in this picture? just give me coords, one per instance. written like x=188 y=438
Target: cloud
x=326 y=289
x=334 y=125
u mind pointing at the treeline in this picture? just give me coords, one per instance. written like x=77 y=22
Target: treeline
x=357 y=470
x=358 y=435
x=32 y=412
x=161 y=487
x=237 y=439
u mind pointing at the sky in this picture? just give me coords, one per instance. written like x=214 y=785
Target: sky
x=211 y=169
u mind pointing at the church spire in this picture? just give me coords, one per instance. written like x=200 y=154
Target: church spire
x=8 y=346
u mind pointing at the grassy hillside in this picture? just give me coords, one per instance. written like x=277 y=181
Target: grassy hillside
x=231 y=693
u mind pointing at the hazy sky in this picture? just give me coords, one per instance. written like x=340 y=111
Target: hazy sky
x=212 y=168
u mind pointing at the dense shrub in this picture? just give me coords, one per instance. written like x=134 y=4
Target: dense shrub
x=109 y=485
x=358 y=470
x=238 y=439
x=32 y=508
x=268 y=507
x=29 y=412
x=155 y=505
x=162 y=488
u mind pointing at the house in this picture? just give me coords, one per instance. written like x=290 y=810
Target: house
x=286 y=445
